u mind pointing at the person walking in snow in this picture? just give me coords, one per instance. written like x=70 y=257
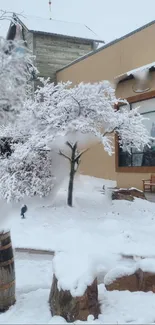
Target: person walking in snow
x=23 y=211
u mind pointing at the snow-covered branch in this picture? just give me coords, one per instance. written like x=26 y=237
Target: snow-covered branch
x=59 y=111
x=69 y=144
x=80 y=154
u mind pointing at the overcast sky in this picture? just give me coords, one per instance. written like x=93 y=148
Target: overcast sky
x=110 y=19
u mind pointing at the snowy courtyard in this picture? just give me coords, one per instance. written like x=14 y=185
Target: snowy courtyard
x=96 y=227
x=77 y=163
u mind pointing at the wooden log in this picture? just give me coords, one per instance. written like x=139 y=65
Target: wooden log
x=7 y=272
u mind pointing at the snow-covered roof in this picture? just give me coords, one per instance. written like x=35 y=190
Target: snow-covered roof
x=57 y=27
x=134 y=72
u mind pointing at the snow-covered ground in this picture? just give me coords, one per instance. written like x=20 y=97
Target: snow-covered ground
x=96 y=227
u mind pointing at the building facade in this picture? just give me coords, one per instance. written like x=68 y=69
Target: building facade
x=119 y=62
x=53 y=43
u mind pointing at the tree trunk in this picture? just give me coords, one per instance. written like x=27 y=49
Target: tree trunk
x=71 y=176
x=70 y=186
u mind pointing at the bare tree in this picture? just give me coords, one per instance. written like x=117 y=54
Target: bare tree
x=8 y=15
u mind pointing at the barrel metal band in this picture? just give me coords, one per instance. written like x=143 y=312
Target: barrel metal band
x=7 y=285
x=5 y=247
x=7 y=262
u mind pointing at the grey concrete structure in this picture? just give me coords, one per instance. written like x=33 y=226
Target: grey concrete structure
x=54 y=44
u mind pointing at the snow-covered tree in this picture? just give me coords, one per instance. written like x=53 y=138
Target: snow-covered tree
x=16 y=69
x=16 y=73
x=86 y=109
x=73 y=113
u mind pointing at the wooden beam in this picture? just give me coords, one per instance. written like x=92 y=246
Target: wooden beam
x=140 y=97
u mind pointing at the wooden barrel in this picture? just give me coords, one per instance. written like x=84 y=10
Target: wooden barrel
x=7 y=272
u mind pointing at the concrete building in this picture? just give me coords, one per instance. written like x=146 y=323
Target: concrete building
x=119 y=62
x=54 y=43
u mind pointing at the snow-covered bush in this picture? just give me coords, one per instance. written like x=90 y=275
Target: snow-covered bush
x=26 y=174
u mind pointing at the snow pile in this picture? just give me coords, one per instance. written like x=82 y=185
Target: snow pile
x=74 y=271
x=95 y=185
x=141 y=69
x=138 y=72
x=147 y=265
x=34 y=278
x=33 y=281
x=92 y=225
x=91 y=237
x=126 y=188
x=134 y=188
x=118 y=272
x=126 y=307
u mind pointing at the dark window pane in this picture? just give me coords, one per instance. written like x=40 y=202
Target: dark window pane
x=124 y=159
x=148 y=158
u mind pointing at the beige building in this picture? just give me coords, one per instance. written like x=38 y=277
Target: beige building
x=115 y=62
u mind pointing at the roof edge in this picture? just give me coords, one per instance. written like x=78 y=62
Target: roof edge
x=107 y=45
x=66 y=36
x=55 y=34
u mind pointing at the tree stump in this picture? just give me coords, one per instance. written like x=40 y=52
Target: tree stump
x=74 y=308
x=7 y=272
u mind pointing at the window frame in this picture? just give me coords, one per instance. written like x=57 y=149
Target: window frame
x=133 y=169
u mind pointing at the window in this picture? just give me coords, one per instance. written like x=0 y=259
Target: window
x=147 y=156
